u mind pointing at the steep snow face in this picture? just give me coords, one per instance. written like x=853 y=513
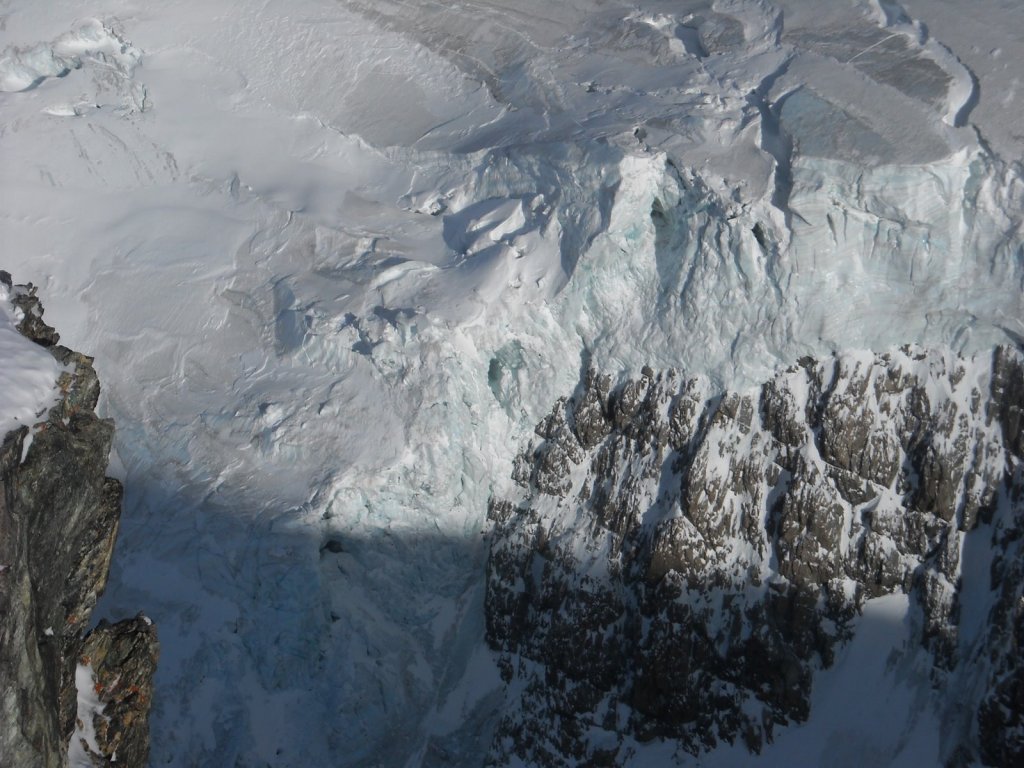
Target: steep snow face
x=28 y=373
x=334 y=258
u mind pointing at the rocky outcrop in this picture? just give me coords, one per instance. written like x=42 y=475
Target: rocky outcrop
x=680 y=562
x=122 y=658
x=58 y=523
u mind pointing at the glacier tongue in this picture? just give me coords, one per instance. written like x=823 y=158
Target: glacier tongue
x=334 y=261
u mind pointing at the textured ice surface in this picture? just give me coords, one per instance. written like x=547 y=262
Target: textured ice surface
x=334 y=257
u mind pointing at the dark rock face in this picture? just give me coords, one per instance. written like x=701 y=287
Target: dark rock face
x=679 y=563
x=58 y=522
x=31 y=325
x=123 y=658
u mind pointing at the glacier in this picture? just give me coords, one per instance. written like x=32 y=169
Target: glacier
x=335 y=260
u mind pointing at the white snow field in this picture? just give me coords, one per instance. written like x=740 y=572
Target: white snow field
x=334 y=259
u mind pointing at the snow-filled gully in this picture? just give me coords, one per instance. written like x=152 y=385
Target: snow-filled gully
x=334 y=260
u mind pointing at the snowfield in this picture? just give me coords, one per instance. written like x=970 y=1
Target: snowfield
x=334 y=260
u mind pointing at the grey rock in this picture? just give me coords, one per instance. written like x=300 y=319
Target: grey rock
x=1007 y=398
x=123 y=658
x=714 y=549
x=58 y=523
x=31 y=325
x=592 y=421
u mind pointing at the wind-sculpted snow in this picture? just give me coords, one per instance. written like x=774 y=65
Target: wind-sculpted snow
x=336 y=258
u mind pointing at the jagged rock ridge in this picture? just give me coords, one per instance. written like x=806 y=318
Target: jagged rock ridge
x=58 y=522
x=680 y=562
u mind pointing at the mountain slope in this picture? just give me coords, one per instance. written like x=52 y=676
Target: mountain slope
x=681 y=564
x=336 y=259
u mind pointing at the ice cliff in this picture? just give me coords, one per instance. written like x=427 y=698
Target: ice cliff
x=66 y=691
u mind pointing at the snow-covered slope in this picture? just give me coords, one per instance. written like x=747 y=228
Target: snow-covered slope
x=28 y=373
x=335 y=259
x=835 y=552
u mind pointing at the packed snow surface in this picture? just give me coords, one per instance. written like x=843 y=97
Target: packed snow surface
x=335 y=257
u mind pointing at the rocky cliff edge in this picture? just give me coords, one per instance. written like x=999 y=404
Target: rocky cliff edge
x=66 y=694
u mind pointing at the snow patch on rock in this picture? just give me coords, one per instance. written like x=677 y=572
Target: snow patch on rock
x=28 y=373
x=83 y=741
